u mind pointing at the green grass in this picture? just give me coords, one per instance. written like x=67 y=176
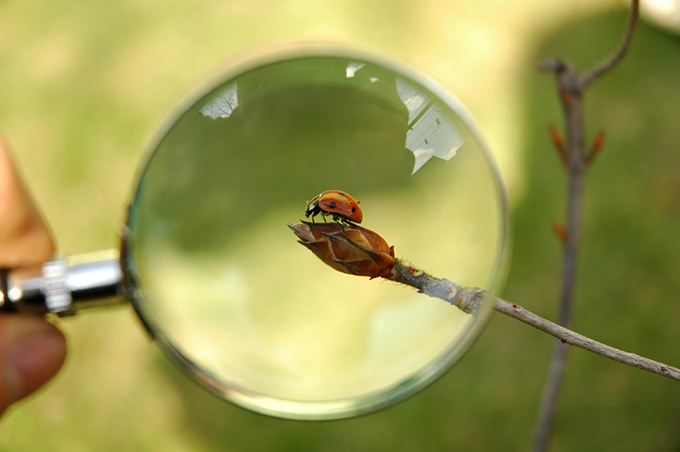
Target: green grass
x=82 y=83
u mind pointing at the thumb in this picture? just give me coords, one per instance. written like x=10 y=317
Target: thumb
x=31 y=352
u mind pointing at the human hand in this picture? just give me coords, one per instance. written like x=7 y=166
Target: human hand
x=31 y=349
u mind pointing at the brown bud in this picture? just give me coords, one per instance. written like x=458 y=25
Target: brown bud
x=566 y=96
x=558 y=142
x=596 y=146
x=598 y=141
x=347 y=248
x=556 y=137
x=561 y=232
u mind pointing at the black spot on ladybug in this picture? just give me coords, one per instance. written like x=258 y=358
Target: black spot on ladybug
x=333 y=204
x=354 y=209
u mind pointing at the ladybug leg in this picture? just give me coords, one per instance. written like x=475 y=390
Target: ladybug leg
x=348 y=223
x=341 y=221
x=313 y=214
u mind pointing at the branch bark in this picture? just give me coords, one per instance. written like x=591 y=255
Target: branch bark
x=569 y=337
x=469 y=299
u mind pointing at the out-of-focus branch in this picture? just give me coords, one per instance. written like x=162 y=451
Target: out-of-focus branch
x=571 y=86
x=588 y=77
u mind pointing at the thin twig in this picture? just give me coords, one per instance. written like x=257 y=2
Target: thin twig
x=568 y=336
x=469 y=299
x=590 y=76
x=571 y=86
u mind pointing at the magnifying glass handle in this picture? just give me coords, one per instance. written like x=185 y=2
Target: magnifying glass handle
x=61 y=287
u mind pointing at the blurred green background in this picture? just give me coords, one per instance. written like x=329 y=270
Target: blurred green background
x=82 y=85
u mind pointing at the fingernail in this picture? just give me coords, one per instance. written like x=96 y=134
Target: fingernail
x=33 y=361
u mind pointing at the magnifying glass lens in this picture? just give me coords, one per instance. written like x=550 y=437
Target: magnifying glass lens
x=229 y=294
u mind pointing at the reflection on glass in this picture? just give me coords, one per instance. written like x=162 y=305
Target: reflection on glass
x=223 y=282
x=430 y=132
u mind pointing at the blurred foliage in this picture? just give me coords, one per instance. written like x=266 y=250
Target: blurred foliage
x=81 y=83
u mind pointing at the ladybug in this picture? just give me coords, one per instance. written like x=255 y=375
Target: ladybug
x=341 y=206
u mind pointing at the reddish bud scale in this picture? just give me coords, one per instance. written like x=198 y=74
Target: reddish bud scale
x=595 y=147
x=347 y=249
x=556 y=137
x=566 y=96
x=598 y=142
x=561 y=232
x=558 y=142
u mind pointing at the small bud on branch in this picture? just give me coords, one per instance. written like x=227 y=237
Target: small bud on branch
x=558 y=141
x=595 y=147
x=567 y=97
x=561 y=232
x=348 y=249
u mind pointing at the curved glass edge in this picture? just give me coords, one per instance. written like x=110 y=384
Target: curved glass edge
x=336 y=409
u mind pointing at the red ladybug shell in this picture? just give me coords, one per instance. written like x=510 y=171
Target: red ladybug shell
x=336 y=203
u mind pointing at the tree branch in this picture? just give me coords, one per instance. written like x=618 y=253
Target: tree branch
x=568 y=336
x=358 y=251
x=590 y=76
x=468 y=299
x=571 y=86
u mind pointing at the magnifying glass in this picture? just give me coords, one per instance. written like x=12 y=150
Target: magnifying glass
x=216 y=277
